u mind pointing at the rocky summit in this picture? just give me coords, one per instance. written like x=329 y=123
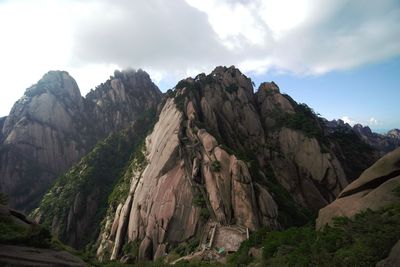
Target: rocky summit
x=131 y=174
x=52 y=126
x=220 y=156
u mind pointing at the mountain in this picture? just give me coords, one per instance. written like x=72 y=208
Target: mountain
x=383 y=143
x=201 y=167
x=52 y=126
x=221 y=161
x=359 y=228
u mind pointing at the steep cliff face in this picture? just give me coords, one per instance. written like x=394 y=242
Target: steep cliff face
x=51 y=127
x=43 y=136
x=75 y=204
x=189 y=184
x=119 y=101
x=222 y=157
x=299 y=152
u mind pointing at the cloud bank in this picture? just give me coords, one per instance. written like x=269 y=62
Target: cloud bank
x=176 y=38
x=304 y=37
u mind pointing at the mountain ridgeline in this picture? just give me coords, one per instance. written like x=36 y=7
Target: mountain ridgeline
x=219 y=157
x=52 y=127
x=143 y=174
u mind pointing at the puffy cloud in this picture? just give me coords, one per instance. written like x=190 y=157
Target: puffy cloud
x=349 y=120
x=373 y=122
x=177 y=38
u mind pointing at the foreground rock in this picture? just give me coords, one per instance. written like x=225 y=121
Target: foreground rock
x=30 y=243
x=29 y=256
x=377 y=187
x=393 y=260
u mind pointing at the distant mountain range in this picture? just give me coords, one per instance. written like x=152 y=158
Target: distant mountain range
x=384 y=143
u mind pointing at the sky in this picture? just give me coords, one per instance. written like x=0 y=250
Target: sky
x=341 y=57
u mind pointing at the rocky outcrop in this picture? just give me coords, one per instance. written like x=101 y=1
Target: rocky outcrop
x=75 y=204
x=161 y=208
x=219 y=157
x=210 y=164
x=21 y=232
x=43 y=136
x=51 y=127
x=306 y=167
x=121 y=100
x=375 y=188
x=315 y=178
x=28 y=256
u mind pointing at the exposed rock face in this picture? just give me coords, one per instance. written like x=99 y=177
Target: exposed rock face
x=210 y=159
x=28 y=256
x=375 y=188
x=159 y=208
x=120 y=100
x=51 y=127
x=43 y=136
x=220 y=155
x=315 y=178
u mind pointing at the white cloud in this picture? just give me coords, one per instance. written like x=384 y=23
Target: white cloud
x=175 y=38
x=349 y=120
x=373 y=122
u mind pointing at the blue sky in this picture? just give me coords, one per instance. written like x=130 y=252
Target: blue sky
x=365 y=92
x=341 y=57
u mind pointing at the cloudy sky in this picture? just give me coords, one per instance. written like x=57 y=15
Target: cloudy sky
x=342 y=57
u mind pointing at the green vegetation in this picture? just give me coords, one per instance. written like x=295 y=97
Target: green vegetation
x=184 y=83
x=3 y=199
x=121 y=189
x=361 y=241
x=289 y=213
x=188 y=247
x=357 y=155
x=200 y=202
x=216 y=166
x=232 y=88
x=94 y=177
x=159 y=263
x=304 y=119
x=15 y=233
x=131 y=249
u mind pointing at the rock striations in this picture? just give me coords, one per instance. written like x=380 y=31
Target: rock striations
x=222 y=157
x=201 y=166
x=51 y=127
